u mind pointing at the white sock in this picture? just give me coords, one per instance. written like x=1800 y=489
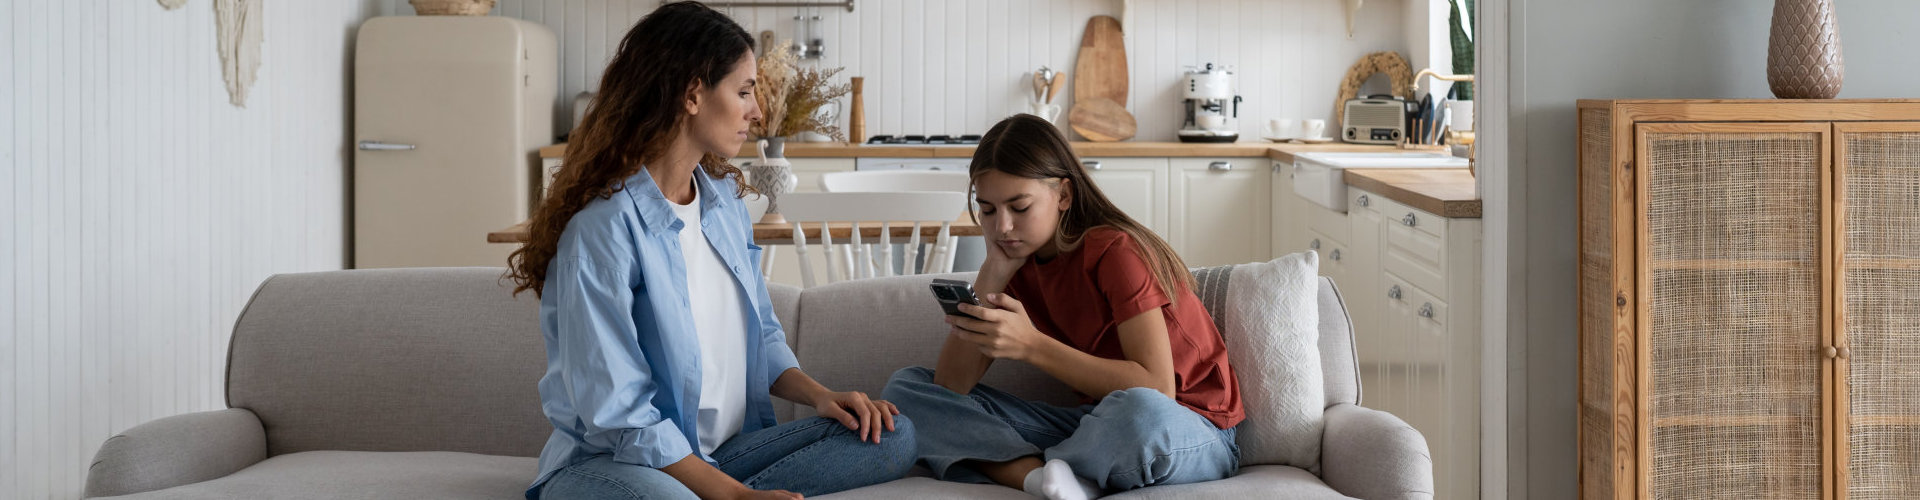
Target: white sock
x=1056 y=481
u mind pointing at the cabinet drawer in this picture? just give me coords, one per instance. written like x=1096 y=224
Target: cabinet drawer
x=1418 y=319
x=1399 y=214
x=1334 y=255
x=1327 y=222
x=1415 y=255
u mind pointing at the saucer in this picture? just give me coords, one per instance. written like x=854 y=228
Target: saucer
x=1313 y=140
x=1276 y=139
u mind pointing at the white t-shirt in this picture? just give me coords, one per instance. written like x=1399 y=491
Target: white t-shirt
x=720 y=319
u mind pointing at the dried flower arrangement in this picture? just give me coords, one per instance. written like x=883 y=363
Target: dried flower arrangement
x=789 y=95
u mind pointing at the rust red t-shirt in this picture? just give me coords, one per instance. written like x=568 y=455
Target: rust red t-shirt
x=1081 y=297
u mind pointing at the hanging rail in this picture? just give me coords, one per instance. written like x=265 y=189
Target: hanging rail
x=846 y=3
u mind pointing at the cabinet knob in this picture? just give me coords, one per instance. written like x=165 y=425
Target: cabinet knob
x=1409 y=220
x=1846 y=352
x=1426 y=310
x=1315 y=244
x=1091 y=165
x=1831 y=352
x=1393 y=292
x=1220 y=166
x=1362 y=200
x=1336 y=255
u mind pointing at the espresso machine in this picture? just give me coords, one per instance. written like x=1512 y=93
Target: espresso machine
x=1208 y=93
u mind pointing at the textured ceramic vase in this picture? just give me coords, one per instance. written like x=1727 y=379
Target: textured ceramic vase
x=1803 y=55
x=772 y=175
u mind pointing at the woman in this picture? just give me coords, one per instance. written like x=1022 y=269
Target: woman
x=662 y=347
x=1075 y=287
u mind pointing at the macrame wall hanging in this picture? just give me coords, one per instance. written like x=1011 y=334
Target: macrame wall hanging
x=239 y=22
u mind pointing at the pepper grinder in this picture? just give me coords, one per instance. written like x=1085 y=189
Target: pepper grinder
x=857 y=119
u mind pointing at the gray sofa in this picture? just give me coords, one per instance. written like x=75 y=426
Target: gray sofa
x=420 y=383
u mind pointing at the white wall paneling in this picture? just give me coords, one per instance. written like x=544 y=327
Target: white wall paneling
x=952 y=67
x=142 y=210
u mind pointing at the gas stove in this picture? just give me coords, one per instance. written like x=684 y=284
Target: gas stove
x=923 y=140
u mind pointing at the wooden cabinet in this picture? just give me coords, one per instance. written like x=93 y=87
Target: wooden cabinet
x=1749 y=276
x=1137 y=185
x=1218 y=210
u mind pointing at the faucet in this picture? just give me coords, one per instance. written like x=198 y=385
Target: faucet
x=1430 y=72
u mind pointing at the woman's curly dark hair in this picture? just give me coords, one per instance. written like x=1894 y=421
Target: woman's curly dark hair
x=632 y=120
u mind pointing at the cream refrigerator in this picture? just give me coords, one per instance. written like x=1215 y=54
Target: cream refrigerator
x=448 y=114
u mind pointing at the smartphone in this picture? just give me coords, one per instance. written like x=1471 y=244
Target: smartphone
x=952 y=293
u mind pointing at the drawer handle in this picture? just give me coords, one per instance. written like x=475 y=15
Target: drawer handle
x=1426 y=310
x=1363 y=201
x=1091 y=165
x=1315 y=244
x=1409 y=220
x=1336 y=255
x=385 y=146
x=1393 y=292
x=1220 y=166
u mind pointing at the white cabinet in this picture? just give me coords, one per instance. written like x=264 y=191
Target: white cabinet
x=1219 y=210
x=1413 y=289
x=1288 y=211
x=1137 y=185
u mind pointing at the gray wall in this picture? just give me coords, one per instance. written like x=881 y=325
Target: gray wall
x=1573 y=49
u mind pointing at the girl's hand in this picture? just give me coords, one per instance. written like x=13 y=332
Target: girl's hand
x=853 y=409
x=1004 y=333
x=998 y=265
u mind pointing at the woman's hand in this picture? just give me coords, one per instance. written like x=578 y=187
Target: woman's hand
x=1003 y=333
x=853 y=409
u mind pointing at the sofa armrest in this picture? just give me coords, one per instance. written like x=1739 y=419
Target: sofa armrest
x=177 y=450
x=1371 y=454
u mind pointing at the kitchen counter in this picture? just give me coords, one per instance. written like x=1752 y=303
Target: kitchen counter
x=1277 y=151
x=1446 y=192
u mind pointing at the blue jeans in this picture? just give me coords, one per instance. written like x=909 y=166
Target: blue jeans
x=812 y=456
x=1133 y=438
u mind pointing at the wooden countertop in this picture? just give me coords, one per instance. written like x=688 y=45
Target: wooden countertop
x=1278 y=151
x=1446 y=192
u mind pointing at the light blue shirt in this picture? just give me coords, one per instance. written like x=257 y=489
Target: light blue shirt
x=623 y=360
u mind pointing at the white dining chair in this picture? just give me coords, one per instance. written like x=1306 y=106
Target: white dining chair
x=852 y=258
x=940 y=255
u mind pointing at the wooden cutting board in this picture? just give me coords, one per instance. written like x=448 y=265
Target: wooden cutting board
x=1101 y=70
x=1101 y=120
x=1100 y=84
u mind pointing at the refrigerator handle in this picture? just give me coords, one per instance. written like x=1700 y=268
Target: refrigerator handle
x=381 y=146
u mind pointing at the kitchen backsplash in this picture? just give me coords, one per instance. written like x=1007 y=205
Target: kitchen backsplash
x=957 y=66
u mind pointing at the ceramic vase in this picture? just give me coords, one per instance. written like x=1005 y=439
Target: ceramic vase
x=772 y=175
x=1803 y=54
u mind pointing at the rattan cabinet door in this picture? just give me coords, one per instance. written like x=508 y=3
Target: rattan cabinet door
x=1731 y=382
x=1879 y=168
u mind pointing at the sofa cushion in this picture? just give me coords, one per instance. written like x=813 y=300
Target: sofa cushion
x=421 y=359
x=360 y=474
x=786 y=308
x=1338 y=364
x=1259 y=481
x=1262 y=481
x=1269 y=323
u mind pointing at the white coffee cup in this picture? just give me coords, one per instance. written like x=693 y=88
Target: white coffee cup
x=1282 y=128
x=1314 y=129
x=1210 y=122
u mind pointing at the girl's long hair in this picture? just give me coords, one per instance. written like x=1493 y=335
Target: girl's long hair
x=632 y=121
x=1028 y=147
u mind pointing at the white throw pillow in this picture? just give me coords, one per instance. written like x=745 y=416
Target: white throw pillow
x=1272 y=331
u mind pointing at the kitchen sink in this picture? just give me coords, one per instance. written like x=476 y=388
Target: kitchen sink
x=1318 y=177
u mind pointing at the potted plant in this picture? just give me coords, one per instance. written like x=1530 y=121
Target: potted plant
x=788 y=96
